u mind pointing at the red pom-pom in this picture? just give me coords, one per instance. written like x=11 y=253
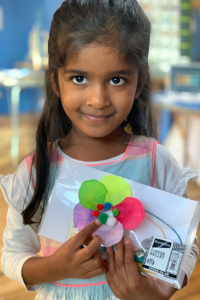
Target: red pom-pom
x=96 y=213
x=100 y=206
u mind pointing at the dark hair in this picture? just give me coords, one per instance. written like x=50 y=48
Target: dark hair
x=120 y=24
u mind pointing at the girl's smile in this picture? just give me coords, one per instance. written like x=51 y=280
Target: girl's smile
x=97 y=90
x=97 y=118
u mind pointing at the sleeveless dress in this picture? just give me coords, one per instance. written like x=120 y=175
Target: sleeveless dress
x=136 y=164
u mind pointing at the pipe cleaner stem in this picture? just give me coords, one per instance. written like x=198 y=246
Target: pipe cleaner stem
x=138 y=240
x=166 y=224
x=157 y=226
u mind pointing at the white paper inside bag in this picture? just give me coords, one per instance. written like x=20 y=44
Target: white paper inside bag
x=167 y=215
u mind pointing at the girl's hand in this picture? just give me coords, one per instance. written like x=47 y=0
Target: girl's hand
x=125 y=280
x=71 y=261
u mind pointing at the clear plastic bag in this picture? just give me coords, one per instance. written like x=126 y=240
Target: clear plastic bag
x=163 y=240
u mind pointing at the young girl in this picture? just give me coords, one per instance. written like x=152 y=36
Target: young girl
x=97 y=112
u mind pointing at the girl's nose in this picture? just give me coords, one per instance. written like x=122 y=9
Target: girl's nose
x=98 y=97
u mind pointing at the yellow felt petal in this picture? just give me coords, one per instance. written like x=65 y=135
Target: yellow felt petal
x=117 y=189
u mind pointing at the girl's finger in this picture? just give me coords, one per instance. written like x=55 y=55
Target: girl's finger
x=110 y=263
x=89 y=251
x=92 y=264
x=130 y=265
x=119 y=262
x=95 y=273
x=82 y=236
x=88 y=240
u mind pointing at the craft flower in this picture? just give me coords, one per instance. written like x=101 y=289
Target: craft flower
x=110 y=201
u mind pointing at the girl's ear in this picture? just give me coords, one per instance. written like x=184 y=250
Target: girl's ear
x=138 y=91
x=140 y=85
x=55 y=85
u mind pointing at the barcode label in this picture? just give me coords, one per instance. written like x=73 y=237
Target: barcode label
x=158 y=256
x=174 y=262
x=163 y=257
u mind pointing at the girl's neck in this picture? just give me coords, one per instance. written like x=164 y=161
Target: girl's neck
x=85 y=148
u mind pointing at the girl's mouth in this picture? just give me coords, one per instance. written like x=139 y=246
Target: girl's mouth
x=97 y=118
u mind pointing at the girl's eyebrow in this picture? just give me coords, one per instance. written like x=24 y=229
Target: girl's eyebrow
x=113 y=73
x=76 y=72
x=122 y=72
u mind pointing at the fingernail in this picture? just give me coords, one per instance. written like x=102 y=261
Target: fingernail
x=97 y=237
x=97 y=222
x=126 y=242
x=108 y=250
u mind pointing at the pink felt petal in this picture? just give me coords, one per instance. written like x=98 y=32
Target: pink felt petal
x=131 y=213
x=110 y=236
x=82 y=216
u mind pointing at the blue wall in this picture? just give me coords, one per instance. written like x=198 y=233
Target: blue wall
x=19 y=17
x=50 y=6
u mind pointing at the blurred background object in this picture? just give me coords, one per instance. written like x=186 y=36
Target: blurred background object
x=175 y=76
x=174 y=61
x=24 y=31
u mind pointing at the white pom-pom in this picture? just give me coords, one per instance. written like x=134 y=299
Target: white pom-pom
x=109 y=213
x=111 y=222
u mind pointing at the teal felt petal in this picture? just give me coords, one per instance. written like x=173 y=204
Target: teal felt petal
x=118 y=189
x=91 y=193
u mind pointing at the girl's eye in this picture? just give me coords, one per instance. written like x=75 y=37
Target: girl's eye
x=79 y=80
x=117 y=81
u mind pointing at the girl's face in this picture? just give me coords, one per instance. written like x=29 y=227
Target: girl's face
x=97 y=91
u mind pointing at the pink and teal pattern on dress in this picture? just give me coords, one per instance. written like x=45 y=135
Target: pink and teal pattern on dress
x=110 y=201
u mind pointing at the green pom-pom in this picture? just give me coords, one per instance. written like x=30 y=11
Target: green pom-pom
x=115 y=212
x=103 y=218
x=91 y=193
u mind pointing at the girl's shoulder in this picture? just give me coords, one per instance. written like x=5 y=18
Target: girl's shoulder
x=54 y=156
x=143 y=141
x=16 y=187
x=169 y=175
x=142 y=145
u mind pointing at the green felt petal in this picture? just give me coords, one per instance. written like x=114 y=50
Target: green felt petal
x=118 y=189
x=91 y=193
